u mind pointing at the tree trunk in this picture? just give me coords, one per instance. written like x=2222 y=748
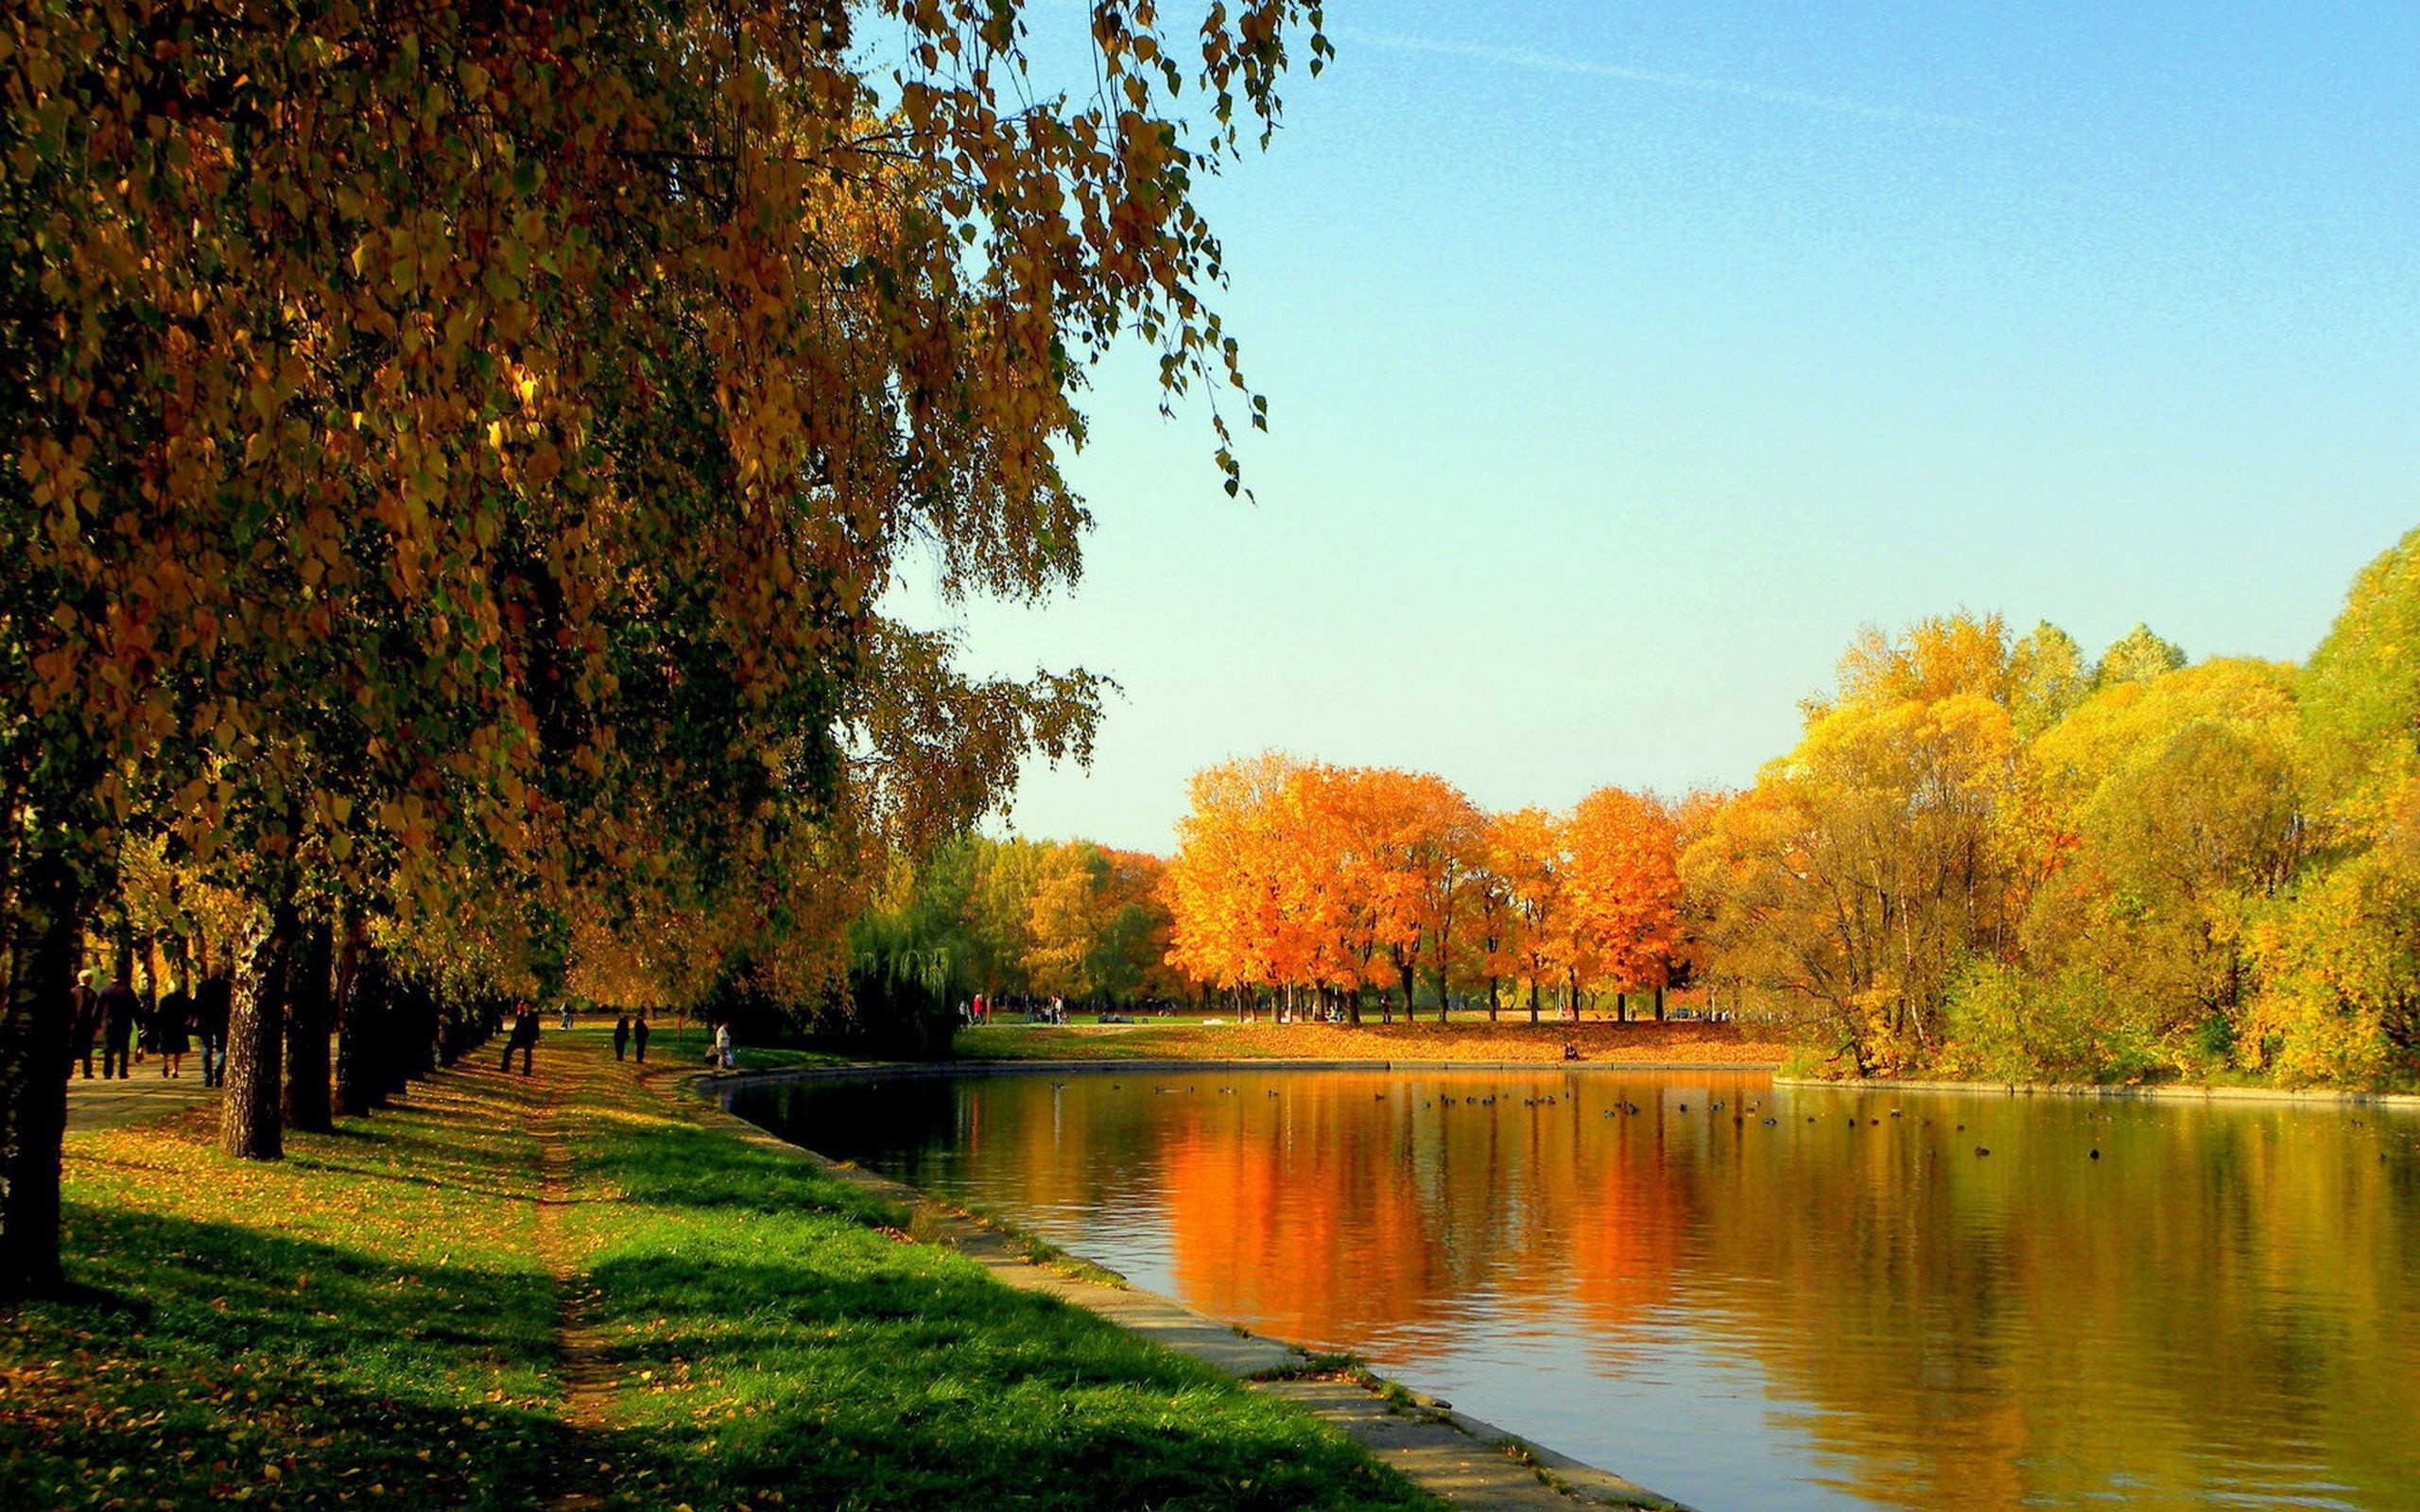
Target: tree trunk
x=33 y=1073
x=1533 y=1000
x=248 y=1128
x=307 y=1031
x=122 y=951
x=1659 y=1004
x=358 y=987
x=1495 y=991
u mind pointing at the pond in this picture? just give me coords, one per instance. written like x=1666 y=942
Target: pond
x=1748 y=1296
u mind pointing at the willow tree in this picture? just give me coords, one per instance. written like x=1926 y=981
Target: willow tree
x=450 y=439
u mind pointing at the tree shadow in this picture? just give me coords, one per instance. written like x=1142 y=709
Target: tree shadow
x=289 y=1371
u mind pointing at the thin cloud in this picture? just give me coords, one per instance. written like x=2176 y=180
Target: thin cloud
x=1659 y=78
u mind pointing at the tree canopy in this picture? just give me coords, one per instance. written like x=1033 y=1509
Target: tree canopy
x=458 y=455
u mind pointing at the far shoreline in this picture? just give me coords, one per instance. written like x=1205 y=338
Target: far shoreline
x=2155 y=1092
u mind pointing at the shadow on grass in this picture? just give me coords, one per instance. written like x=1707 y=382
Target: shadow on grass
x=769 y=1347
x=285 y=1372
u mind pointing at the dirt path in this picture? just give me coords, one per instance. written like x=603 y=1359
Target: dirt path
x=587 y=1368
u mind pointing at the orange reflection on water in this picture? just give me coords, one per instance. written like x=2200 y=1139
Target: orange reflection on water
x=1326 y=1221
x=1746 y=1296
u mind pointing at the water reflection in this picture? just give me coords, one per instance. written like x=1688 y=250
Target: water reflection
x=1750 y=1296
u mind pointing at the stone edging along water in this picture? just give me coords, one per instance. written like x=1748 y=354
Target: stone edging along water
x=2158 y=1092
x=1459 y=1458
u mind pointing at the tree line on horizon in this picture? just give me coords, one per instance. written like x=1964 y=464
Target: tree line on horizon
x=1988 y=855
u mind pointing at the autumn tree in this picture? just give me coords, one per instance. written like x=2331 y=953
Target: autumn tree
x=2340 y=960
x=1526 y=852
x=1226 y=885
x=1864 y=869
x=1625 y=885
x=2137 y=656
x=459 y=438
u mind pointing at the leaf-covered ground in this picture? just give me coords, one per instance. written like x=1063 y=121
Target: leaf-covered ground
x=1679 y=1042
x=371 y=1323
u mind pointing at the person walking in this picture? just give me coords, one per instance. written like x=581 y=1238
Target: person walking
x=173 y=1024
x=568 y=1020
x=725 y=1057
x=638 y=1038
x=621 y=1034
x=120 y=1009
x=84 y=1021
x=213 y=1002
x=524 y=1037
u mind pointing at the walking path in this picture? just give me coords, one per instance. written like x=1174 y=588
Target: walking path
x=587 y=1368
x=136 y=1099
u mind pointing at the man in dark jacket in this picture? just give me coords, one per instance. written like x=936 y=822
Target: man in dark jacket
x=84 y=1021
x=120 y=1008
x=214 y=1002
x=524 y=1036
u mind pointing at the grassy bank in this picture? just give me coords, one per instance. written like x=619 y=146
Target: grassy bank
x=1680 y=1043
x=374 y=1323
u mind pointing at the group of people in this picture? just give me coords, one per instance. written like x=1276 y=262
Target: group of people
x=630 y=1034
x=117 y=1021
x=1036 y=1010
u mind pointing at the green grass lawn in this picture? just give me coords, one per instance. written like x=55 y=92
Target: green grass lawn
x=369 y=1324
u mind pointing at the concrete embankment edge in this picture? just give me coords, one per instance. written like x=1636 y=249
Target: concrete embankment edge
x=1461 y=1459
x=2161 y=1092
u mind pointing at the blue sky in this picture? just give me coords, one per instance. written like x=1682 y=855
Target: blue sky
x=1623 y=359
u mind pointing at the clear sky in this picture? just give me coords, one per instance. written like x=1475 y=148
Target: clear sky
x=1624 y=358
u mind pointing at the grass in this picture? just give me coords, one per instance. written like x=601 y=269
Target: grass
x=370 y=1324
x=364 y=1324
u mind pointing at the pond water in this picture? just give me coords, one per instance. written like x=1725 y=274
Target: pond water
x=1745 y=1296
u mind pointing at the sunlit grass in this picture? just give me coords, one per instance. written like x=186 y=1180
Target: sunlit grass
x=369 y=1324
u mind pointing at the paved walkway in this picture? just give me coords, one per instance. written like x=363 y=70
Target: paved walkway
x=136 y=1099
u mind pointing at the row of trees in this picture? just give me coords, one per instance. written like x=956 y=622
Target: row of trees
x=1990 y=855
x=456 y=455
x=1296 y=878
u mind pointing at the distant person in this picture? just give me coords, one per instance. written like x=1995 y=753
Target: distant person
x=567 y=1016
x=724 y=1055
x=621 y=1034
x=982 y=1012
x=120 y=1011
x=84 y=1021
x=638 y=1038
x=524 y=1037
x=172 y=1023
x=213 y=1002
